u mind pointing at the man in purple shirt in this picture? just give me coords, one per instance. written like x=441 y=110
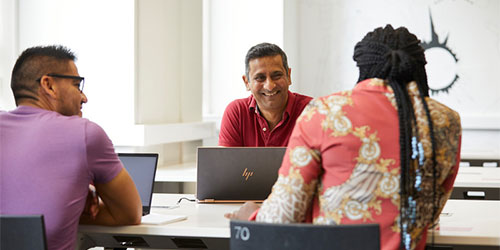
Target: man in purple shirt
x=267 y=117
x=49 y=154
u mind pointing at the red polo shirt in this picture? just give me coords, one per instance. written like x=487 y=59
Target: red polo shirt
x=243 y=125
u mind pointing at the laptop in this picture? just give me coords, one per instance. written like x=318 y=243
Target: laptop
x=22 y=232
x=246 y=235
x=142 y=169
x=237 y=174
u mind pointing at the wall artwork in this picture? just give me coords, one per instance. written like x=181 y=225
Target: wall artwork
x=462 y=46
x=444 y=51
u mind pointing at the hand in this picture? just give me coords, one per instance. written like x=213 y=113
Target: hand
x=244 y=212
x=92 y=203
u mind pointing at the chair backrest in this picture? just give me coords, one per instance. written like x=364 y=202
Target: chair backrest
x=262 y=236
x=22 y=232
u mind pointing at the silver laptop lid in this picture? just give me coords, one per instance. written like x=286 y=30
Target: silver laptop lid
x=142 y=169
x=237 y=174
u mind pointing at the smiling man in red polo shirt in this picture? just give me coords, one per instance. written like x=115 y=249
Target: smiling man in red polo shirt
x=266 y=118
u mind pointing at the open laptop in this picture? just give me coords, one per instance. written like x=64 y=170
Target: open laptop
x=237 y=174
x=22 y=232
x=142 y=169
x=246 y=235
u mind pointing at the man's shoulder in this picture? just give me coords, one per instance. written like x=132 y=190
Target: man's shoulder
x=74 y=122
x=242 y=101
x=240 y=104
x=90 y=128
x=301 y=99
x=51 y=118
x=301 y=96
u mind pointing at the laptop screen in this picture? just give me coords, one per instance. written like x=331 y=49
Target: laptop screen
x=142 y=169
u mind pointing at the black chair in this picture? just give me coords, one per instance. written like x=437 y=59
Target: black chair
x=254 y=235
x=22 y=232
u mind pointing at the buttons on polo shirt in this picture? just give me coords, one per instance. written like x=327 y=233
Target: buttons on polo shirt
x=264 y=129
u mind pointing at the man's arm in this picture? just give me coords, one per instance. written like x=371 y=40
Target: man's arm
x=121 y=204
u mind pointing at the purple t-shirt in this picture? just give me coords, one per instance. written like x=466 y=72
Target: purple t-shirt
x=47 y=161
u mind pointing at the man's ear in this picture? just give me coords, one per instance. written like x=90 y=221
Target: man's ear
x=47 y=87
x=245 y=80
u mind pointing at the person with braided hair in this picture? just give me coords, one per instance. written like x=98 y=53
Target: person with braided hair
x=383 y=152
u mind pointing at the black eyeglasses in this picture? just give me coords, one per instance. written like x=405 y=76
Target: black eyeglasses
x=81 y=80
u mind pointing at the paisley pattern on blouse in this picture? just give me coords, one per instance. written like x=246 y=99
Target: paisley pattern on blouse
x=289 y=199
x=370 y=179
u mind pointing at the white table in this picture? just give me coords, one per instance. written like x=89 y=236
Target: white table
x=477 y=183
x=204 y=222
x=478 y=177
x=466 y=222
x=462 y=222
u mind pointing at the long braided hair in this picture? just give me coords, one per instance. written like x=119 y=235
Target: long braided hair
x=396 y=56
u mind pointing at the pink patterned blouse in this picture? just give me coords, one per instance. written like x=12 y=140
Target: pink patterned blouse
x=342 y=163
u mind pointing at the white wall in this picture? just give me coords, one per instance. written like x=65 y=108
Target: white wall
x=104 y=46
x=141 y=59
x=322 y=35
x=231 y=28
x=169 y=45
x=319 y=38
x=169 y=69
x=8 y=50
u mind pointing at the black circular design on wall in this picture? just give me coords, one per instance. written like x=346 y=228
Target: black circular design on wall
x=445 y=65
